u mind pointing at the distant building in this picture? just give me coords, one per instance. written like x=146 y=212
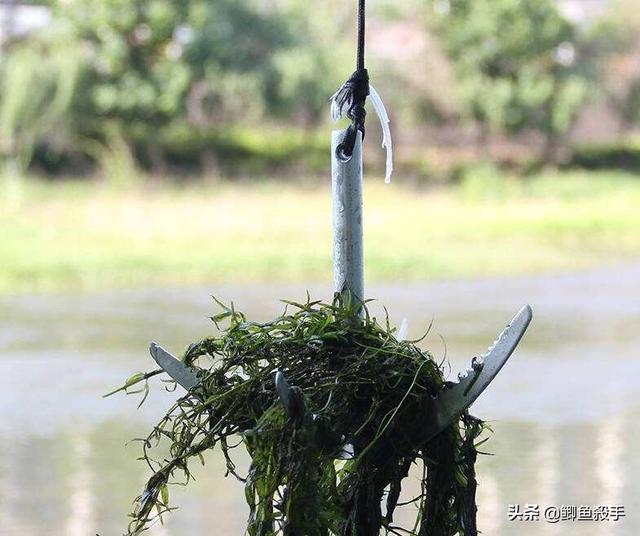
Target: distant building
x=583 y=11
x=17 y=19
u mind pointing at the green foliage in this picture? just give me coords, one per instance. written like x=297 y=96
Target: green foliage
x=176 y=84
x=621 y=155
x=114 y=157
x=630 y=106
x=37 y=84
x=238 y=150
x=145 y=58
x=617 y=33
x=320 y=61
x=151 y=69
x=356 y=385
x=519 y=63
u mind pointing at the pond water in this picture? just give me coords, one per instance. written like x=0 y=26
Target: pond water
x=565 y=410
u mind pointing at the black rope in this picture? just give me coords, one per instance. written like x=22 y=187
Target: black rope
x=354 y=92
x=361 y=34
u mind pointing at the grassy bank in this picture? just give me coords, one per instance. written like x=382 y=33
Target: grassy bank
x=75 y=235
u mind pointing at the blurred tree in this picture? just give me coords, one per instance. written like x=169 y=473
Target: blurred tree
x=620 y=29
x=519 y=65
x=319 y=61
x=37 y=83
x=149 y=63
x=627 y=105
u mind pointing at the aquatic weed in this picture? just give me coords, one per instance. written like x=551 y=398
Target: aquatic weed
x=363 y=393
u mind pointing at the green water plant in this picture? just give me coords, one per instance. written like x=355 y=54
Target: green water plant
x=334 y=458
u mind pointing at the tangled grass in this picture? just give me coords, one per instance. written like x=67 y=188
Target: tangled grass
x=358 y=393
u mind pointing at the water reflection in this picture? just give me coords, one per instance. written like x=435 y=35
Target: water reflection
x=80 y=483
x=565 y=411
x=609 y=468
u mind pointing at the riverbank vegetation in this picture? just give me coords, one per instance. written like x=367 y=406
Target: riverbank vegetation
x=87 y=235
x=181 y=87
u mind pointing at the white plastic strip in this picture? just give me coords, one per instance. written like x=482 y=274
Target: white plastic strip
x=340 y=101
x=402 y=332
x=381 y=112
